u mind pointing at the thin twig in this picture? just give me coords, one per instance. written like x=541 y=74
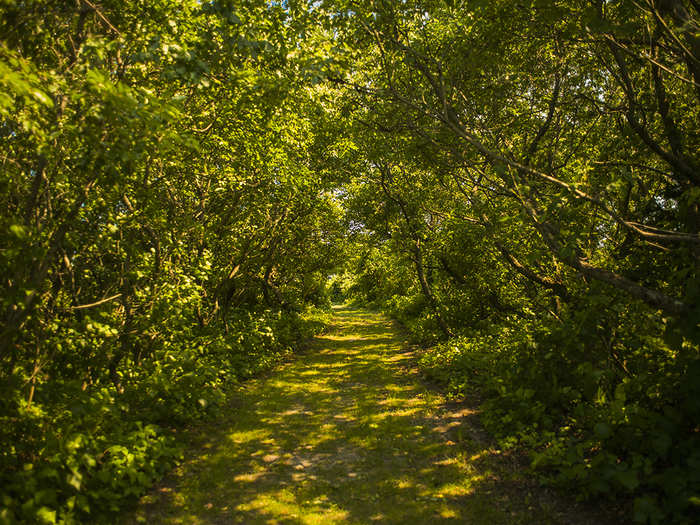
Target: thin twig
x=101 y=301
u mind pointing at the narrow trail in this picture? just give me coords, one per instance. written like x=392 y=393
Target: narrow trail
x=348 y=433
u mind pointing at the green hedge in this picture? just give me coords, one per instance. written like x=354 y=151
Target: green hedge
x=626 y=431
x=82 y=452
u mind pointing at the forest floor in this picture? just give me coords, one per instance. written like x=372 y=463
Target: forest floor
x=349 y=433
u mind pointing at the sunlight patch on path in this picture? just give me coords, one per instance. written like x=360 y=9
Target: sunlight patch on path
x=348 y=433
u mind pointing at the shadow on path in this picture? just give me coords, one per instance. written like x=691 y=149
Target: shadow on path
x=349 y=434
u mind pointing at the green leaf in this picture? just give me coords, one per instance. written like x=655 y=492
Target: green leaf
x=628 y=479
x=42 y=97
x=602 y=430
x=46 y=515
x=74 y=480
x=18 y=231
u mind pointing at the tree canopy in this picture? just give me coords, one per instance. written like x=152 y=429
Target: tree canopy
x=518 y=183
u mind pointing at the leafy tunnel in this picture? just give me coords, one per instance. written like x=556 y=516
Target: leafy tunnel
x=186 y=186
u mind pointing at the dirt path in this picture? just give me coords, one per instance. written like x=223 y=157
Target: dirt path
x=348 y=433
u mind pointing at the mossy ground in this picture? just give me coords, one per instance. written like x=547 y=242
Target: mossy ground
x=348 y=433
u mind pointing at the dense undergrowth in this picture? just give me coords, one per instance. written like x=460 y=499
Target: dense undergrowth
x=85 y=451
x=589 y=427
x=606 y=425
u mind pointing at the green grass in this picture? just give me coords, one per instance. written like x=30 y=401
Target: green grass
x=348 y=433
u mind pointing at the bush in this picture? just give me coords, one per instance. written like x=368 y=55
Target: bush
x=83 y=451
x=591 y=422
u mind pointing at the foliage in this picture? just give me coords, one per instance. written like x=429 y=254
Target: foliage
x=518 y=183
x=593 y=423
x=527 y=192
x=162 y=230
x=86 y=452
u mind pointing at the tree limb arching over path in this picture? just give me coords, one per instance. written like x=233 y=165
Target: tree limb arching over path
x=349 y=433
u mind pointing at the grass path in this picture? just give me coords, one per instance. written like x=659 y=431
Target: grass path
x=348 y=433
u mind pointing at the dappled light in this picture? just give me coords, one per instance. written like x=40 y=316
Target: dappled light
x=187 y=188
x=349 y=433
